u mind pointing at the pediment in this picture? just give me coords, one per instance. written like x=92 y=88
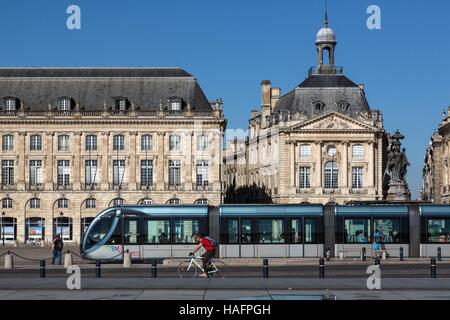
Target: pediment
x=333 y=121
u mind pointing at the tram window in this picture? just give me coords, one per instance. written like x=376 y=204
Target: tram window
x=438 y=231
x=157 y=232
x=271 y=231
x=232 y=232
x=296 y=231
x=312 y=233
x=389 y=230
x=246 y=232
x=184 y=231
x=357 y=231
x=130 y=232
x=100 y=229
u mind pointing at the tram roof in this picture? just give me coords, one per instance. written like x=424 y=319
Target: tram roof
x=170 y=210
x=388 y=210
x=233 y=210
x=434 y=210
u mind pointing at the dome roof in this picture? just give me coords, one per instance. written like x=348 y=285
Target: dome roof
x=326 y=35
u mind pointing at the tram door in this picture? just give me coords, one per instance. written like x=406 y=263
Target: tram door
x=132 y=235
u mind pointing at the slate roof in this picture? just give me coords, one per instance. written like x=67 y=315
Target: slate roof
x=327 y=89
x=91 y=87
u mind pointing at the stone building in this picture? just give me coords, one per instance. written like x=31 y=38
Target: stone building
x=77 y=140
x=436 y=171
x=319 y=143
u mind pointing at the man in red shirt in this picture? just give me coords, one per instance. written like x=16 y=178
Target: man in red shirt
x=209 y=251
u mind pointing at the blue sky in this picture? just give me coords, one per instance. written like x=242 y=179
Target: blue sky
x=230 y=46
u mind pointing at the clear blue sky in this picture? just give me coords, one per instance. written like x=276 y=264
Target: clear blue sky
x=231 y=45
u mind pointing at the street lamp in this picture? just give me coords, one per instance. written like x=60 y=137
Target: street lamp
x=61 y=214
x=3 y=228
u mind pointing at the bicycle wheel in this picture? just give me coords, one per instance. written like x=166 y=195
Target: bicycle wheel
x=218 y=269
x=187 y=270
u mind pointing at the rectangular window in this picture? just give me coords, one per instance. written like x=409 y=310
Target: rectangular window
x=232 y=231
x=10 y=104
x=147 y=142
x=175 y=106
x=296 y=231
x=35 y=203
x=91 y=142
x=63 y=143
x=174 y=173
x=36 y=172
x=91 y=172
x=64 y=104
x=305 y=152
x=202 y=143
x=271 y=231
x=157 y=232
x=63 y=173
x=63 y=203
x=35 y=142
x=7 y=142
x=7 y=203
x=184 y=230
x=357 y=230
x=312 y=231
x=146 y=172
x=389 y=230
x=202 y=173
x=357 y=177
x=358 y=152
x=7 y=172
x=118 y=172
x=305 y=178
x=119 y=142
x=438 y=231
x=174 y=143
x=246 y=231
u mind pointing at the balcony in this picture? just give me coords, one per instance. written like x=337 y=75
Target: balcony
x=204 y=187
x=325 y=69
x=34 y=187
x=115 y=186
x=331 y=191
x=91 y=186
x=172 y=187
x=7 y=187
x=304 y=191
x=146 y=187
x=359 y=191
x=62 y=187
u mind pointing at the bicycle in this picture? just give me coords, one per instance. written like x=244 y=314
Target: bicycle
x=189 y=269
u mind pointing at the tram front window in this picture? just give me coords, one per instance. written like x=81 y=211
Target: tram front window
x=100 y=229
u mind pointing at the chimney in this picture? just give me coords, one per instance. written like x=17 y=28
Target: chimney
x=266 y=94
x=275 y=93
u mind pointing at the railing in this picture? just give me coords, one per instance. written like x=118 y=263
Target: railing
x=201 y=187
x=146 y=187
x=304 y=190
x=326 y=69
x=34 y=187
x=90 y=186
x=114 y=186
x=173 y=187
x=65 y=186
x=7 y=187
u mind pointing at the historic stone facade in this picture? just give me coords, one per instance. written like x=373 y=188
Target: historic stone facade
x=436 y=171
x=319 y=143
x=75 y=141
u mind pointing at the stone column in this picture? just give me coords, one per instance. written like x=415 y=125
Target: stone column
x=345 y=164
x=22 y=163
x=379 y=166
x=49 y=165
x=292 y=164
x=371 y=171
x=76 y=162
x=132 y=161
x=103 y=164
x=188 y=166
x=160 y=161
x=318 y=183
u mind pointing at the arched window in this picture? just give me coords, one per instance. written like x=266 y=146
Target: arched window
x=63 y=226
x=117 y=202
x=7 y=203
x=119 y=142
x=8 y=229
x=331 y=178
x=64 y=104
x=63 y=203
x=173 y=201
x=35 y=229
x=358 y=152
x=201 y=201
x=35 y=203
x=145 y=201
x=35 y=142
x=63 y=142
x=8 y=142
x=319 y=106
x=146 y=142
x=91 y=203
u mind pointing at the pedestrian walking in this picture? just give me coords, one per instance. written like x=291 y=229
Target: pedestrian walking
x=57 y=248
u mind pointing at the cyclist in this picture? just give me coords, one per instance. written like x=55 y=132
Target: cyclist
x=209 y=251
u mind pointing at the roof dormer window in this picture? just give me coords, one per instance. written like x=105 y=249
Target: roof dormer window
x=10 y=104
x=175 y=104
x=64 y=104
x=121 y=104
x=343 y=106
x=319 y=106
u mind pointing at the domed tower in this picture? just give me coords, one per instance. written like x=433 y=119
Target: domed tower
x=326 y=44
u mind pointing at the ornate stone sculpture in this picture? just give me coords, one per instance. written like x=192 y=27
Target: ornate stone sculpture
x=396 y=170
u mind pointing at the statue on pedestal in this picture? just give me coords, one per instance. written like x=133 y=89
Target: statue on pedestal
x=396 y=170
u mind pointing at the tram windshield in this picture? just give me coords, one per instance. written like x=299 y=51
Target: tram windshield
x=100 y=229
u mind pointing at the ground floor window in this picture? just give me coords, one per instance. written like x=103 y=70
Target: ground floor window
x=271 y=231
x=85 y=223
x=35 y=229
x=184 y=230
x=438 y=231
x=8 y=229
x=365 y=230
x=157 y=231
x=357 y=230
x=63 y=226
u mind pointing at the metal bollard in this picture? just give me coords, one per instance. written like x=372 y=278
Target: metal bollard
x=265 y=268
x=9 y=262
x=384 y=255
x=68 y=261
x=439 y=254
x=127 y=259
x=363 y=254
x=341 y=255
x=401 y=254
x=328 y=254
x=154 y=268
x=98 y=269
x=42 y=268
x=321 y=268
x=433 y=268
x=377 y=261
